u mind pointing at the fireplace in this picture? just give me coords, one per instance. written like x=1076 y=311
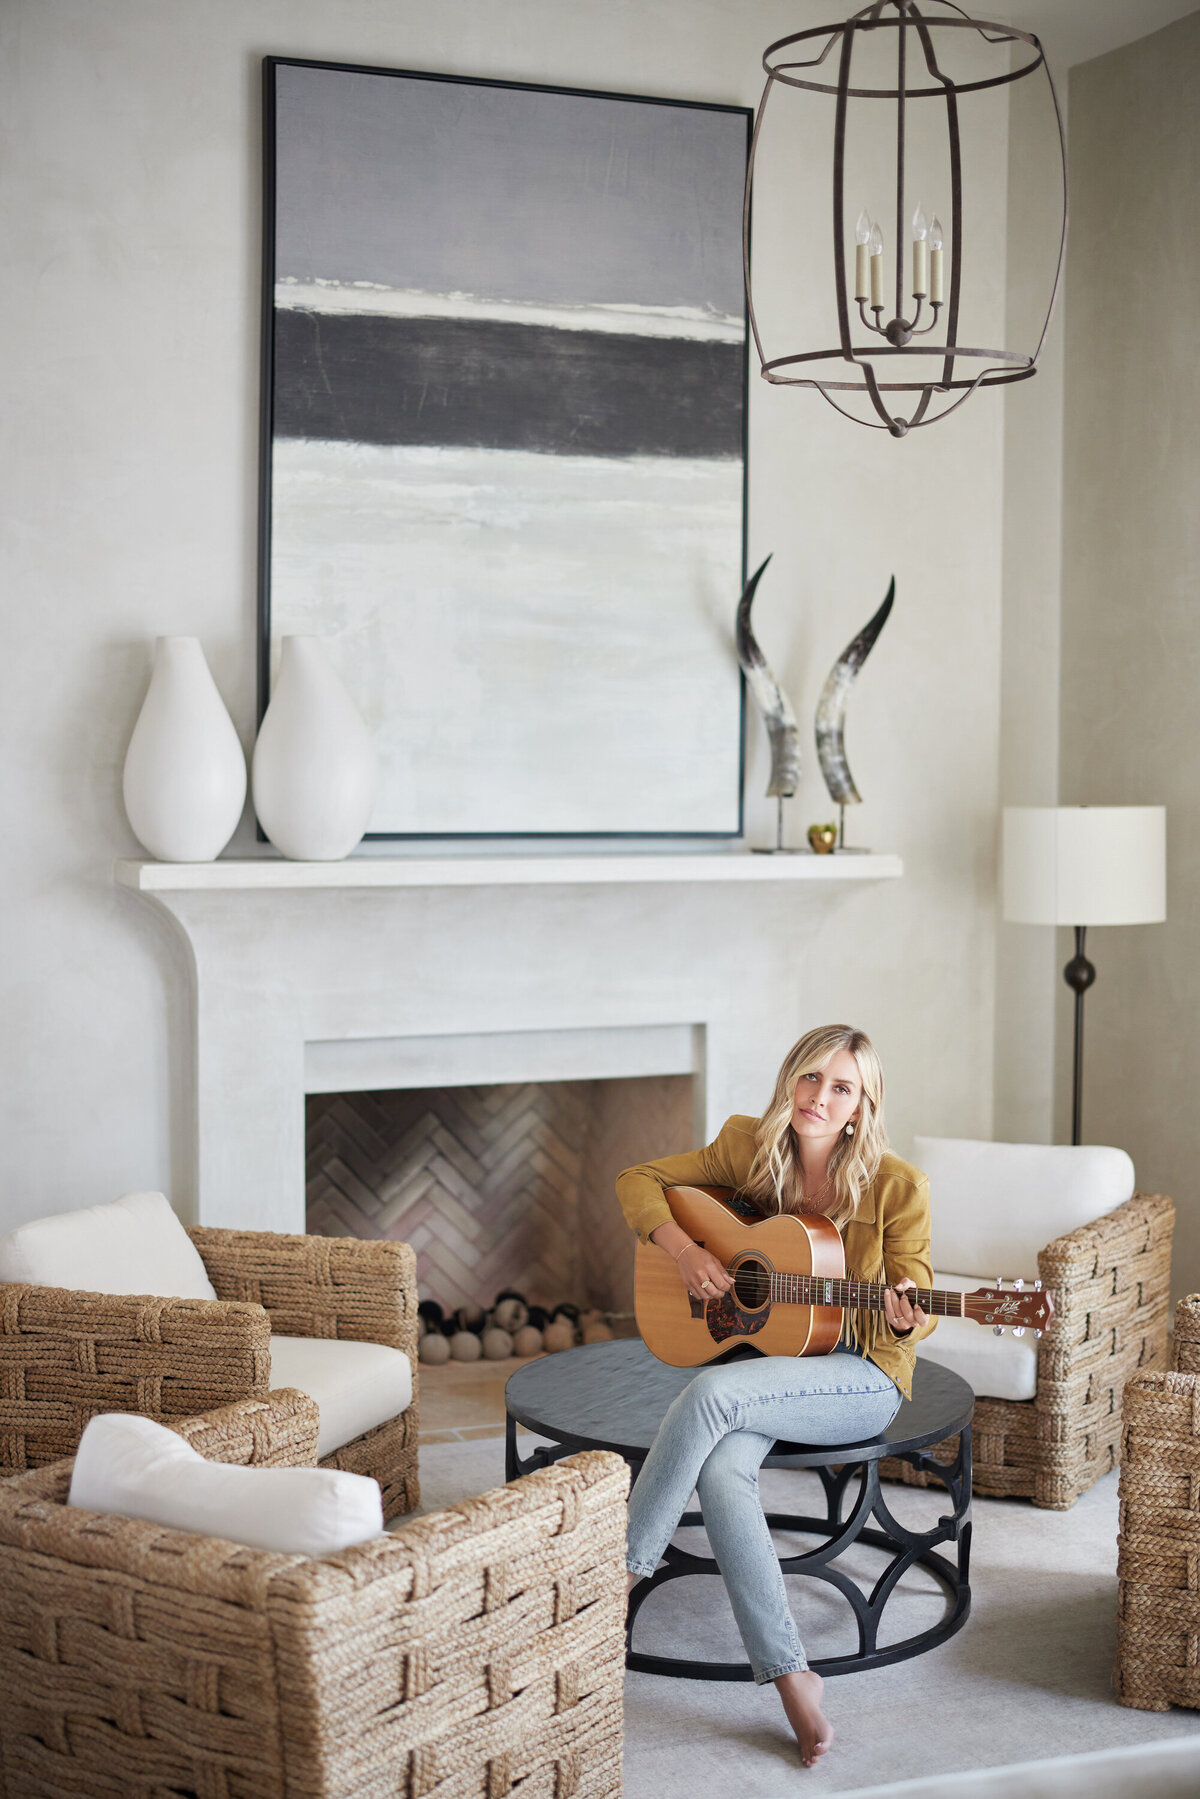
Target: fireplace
x=386 y=974
x=508 y=1185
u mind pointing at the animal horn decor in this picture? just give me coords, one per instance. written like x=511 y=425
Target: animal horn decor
x=831 y=713
x=777 y=715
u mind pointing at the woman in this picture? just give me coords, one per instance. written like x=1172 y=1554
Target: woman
x=819 y=1147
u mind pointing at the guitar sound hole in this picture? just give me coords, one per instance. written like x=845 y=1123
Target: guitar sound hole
x=752 y=1284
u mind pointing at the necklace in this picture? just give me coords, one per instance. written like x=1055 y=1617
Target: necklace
x=808 y=1201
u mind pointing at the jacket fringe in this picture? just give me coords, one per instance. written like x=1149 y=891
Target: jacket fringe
x=860 y=1329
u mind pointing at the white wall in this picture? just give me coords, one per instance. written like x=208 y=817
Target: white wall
x=1131 y=631
x=1026 y=959
x=129 y=212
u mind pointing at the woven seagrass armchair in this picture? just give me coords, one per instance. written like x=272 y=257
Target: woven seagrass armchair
x=470 y=1653
x=1110 y=1282
x=66 y=1355
x=1158 y=1542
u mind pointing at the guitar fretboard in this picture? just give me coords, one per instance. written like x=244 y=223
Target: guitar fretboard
x=860 y=1296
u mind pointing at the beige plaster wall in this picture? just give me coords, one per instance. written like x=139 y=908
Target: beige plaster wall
x=129 y=212
x=1131 y=618
x=1032 y=581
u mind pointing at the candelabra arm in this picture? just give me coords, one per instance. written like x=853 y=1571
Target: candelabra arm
x=926 y=329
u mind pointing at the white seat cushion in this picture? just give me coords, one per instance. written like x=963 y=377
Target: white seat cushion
x=995 y=1205
x=994 y=1367
x=139 y=1469
x=356 y=1385
x=135 y=1245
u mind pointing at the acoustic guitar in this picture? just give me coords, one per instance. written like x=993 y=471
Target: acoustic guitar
x=789 y=1287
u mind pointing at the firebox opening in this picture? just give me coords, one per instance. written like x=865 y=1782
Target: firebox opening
x=499 y=1186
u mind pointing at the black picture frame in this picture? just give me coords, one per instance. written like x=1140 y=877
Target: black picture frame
x=669 y=428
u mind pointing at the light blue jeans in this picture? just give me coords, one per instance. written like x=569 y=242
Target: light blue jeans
x=714 y=1438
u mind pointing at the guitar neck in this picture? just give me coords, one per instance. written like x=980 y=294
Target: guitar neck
x=860 y=1296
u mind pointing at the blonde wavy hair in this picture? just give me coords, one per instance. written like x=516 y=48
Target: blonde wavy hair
x=774 y=1183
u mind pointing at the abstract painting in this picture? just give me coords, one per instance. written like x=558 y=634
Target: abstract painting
x=504 y=422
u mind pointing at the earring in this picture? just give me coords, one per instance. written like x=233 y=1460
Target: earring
x=849 y=1130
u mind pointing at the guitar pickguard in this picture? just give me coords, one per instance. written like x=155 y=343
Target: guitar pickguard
x=725 y=1318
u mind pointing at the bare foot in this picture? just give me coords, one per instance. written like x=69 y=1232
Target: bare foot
x=801 y=1695
x=630 y=1580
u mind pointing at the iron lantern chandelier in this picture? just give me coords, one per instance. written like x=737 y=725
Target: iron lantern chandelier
x=891 y=335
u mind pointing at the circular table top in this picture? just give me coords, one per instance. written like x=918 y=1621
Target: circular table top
x=613 y=1396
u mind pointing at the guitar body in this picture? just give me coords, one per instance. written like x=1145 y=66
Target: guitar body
x=682 y=1332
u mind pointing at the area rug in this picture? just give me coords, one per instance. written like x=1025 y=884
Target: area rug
x=1029 y=1677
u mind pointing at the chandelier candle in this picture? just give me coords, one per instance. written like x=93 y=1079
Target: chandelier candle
x=862 y=239
x=876 y=269
x=920 y=255
x=936 y=275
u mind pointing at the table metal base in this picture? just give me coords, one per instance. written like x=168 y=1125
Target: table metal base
x=838 y=1529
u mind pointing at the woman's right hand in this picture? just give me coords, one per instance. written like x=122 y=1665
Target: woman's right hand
x=702 y=1274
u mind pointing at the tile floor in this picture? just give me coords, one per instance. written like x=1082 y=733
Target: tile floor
x=462 y=1400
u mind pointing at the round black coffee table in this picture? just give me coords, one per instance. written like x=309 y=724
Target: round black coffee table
x=613 y=1396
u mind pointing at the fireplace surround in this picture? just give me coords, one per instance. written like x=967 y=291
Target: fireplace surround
x=294 y=977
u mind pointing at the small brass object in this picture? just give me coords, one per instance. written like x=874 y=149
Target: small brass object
x=823 y=839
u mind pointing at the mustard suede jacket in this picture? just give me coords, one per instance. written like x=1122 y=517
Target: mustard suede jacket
x=887 y=1239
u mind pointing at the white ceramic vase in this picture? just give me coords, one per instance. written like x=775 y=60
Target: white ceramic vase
x=185 y=773
x=315 y=772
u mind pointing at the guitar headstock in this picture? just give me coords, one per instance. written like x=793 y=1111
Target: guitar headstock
x=1017 y=1309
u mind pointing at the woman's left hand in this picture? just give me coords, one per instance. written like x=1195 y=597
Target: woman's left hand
x=902 y=1314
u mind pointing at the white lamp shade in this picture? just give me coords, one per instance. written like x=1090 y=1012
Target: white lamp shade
x=1085 y=865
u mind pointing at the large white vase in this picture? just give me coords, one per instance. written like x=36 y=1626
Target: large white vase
x=185 y=773
x=315 y=773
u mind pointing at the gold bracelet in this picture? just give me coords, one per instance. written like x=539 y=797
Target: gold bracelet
x=686 y=1246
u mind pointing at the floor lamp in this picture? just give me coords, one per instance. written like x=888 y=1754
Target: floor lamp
x=1081 y=866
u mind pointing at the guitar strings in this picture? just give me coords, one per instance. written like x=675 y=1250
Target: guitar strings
x=754 y=1286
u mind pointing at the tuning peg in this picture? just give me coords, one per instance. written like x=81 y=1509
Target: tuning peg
x=1037 y=1286
x=998 y=1329
x=1039 y=1335
x=1018 y=1286
x=1018 y=1330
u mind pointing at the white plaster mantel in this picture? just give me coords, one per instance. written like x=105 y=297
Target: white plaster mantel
x=415 y=971
x=262 y=873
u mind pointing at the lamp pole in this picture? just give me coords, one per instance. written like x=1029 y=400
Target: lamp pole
x=1079 y=975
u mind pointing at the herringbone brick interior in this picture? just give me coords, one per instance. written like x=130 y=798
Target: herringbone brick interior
x=501 y=1186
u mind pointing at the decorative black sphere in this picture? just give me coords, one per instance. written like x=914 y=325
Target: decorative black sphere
x=1079 y=974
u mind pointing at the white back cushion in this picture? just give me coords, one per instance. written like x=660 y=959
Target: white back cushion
x=356 y=1385
x=993 y=1367
x=994 y=1205
x=135 y=1245
x=139 y=1469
